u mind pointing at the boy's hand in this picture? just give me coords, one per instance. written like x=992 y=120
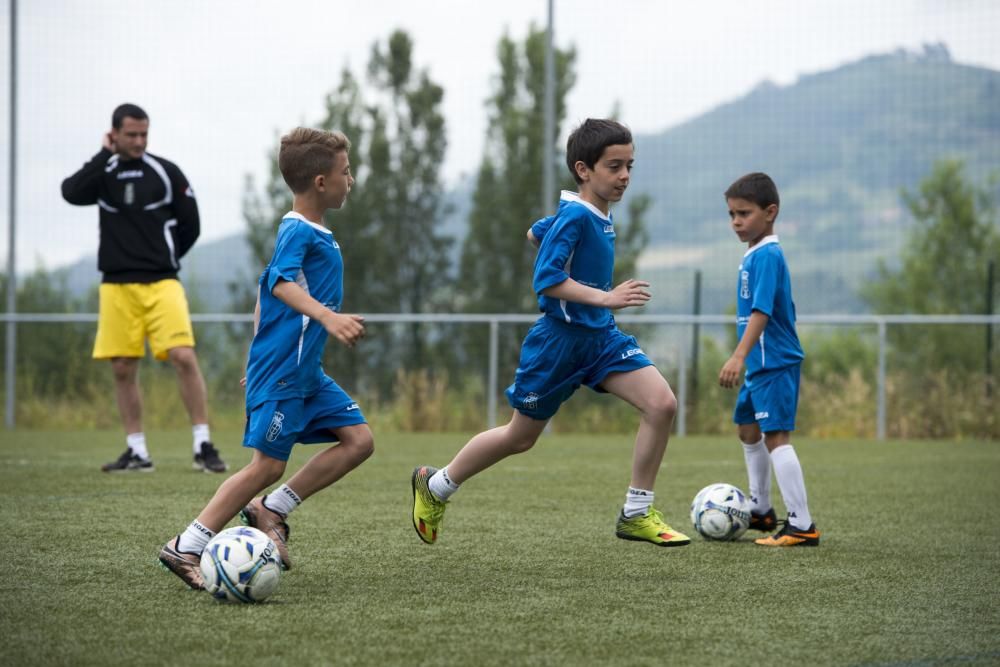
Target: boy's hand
x=629 y=293
x=348 y=329
x=731 y=371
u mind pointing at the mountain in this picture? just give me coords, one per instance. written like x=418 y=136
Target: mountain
x=841 y=145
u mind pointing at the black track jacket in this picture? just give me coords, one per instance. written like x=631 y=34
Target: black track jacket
x=149 y=217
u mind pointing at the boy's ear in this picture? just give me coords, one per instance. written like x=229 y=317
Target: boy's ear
x=582 y=170
x=319 y=182
x=772 y=212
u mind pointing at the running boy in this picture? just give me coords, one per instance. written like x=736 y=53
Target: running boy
x=575 y=342
x=289 y=398
x=769 y=346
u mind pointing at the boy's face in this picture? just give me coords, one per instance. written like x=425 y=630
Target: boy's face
x=611 y=173
x=336 y=185
x=751 y=222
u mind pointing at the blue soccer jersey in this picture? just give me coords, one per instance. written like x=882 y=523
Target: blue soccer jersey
x=578 y=242
x=286 y=353
x=764 y=285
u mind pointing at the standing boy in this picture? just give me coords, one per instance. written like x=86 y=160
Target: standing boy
x=575 y=342
x=769 y=346
x=289 y=398
x=149 y=220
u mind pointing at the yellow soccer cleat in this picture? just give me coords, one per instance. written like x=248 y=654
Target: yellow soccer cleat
x=650 y=527
x=428 y=511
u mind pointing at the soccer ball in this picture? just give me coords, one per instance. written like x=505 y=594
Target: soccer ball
x=720 y=512
x=240 y=565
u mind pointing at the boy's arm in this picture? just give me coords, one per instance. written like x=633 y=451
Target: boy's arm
x=729 y=376
x=256 y=313
x=345 y=328
x=629 y=293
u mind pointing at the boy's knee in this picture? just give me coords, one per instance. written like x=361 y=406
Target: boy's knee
x=267 y=470
x=663 y=406
x=360 y=442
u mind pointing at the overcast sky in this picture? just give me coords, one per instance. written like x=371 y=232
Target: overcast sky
x=222 y=79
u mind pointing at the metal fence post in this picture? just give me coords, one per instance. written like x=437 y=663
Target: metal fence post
x=681 y=392
x=491 y=384
x=880 y=414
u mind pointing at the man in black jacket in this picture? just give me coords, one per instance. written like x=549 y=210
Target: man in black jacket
x=148 y=221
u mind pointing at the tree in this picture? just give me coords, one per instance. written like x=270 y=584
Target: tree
x=395 y=258
x=943 y=270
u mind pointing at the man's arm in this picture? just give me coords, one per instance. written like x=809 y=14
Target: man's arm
x=345 y=328
x=82 y=188
x=185 y=211
x=729 y=376
x=629 y=293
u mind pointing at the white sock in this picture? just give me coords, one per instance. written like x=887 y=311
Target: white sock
x=194 y=538
x=441 y=485
x=637 y=502
x=199 y=434
x=282 y=500
x=137 y=443
x=788 y=471
x=759 y=473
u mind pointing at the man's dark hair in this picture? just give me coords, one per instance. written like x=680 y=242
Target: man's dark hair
x=587 y=142
x=756 y=187
x=123 y=110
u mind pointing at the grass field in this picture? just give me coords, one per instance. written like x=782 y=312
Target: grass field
x=527 y=570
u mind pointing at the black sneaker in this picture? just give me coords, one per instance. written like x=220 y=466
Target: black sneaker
x=208 y=459
x=764 y=522
x=129 y=462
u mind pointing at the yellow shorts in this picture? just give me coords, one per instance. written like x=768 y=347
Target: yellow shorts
x=132 y=312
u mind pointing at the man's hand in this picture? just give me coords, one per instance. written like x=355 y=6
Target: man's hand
x=108 y=143
x=729 y=376
x=348 y=329
x=629 y=293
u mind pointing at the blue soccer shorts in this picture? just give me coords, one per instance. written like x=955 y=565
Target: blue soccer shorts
x=770 y=399
x=556 y=358
x=273 y=427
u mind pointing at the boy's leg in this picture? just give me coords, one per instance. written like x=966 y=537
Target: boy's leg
x=481 y=452
x=649 y=392
x=182 y=554
x=356 y=444
x=758 y=464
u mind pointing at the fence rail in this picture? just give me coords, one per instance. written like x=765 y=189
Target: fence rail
x=880 y=322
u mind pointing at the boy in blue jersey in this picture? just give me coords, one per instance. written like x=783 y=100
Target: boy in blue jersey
x=770 y=349
x=289 y=398
x=575 y=342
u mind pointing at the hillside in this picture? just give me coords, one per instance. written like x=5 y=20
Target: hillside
x=841 y=145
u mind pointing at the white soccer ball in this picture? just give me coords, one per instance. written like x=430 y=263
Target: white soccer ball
x=720 y=512
x=241 y=565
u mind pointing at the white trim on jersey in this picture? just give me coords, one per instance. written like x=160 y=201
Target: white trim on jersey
x=106 y=206
x=162 y=173
x=763 y=359
x=299 y=216
x=770 y=238
x=170 y=240
x=110 y=165
x=563 y=302
x=566 y=195
x=300 y=280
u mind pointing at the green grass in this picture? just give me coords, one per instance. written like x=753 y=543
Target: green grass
x=527 y=571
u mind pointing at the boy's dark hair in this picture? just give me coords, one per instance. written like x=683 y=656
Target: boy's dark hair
x=587 y=142
x=306 y=153
x=756 y=187
x=123 y=110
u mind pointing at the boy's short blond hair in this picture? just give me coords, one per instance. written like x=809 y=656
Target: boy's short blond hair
x=306 y=153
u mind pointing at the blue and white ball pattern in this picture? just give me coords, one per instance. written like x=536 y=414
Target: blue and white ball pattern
x=720 y=512
x=241 y=565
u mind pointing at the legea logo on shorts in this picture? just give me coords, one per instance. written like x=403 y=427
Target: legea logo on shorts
x=352 y=406
x=631 y=353
x=530 y=401
x=274 y=430
x=761 y=415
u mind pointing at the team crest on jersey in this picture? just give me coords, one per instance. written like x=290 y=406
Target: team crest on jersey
x=274 y=430
x=609 y=229
x=745 y=284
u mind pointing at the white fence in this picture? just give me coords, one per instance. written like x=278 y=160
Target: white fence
x=879 y=322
